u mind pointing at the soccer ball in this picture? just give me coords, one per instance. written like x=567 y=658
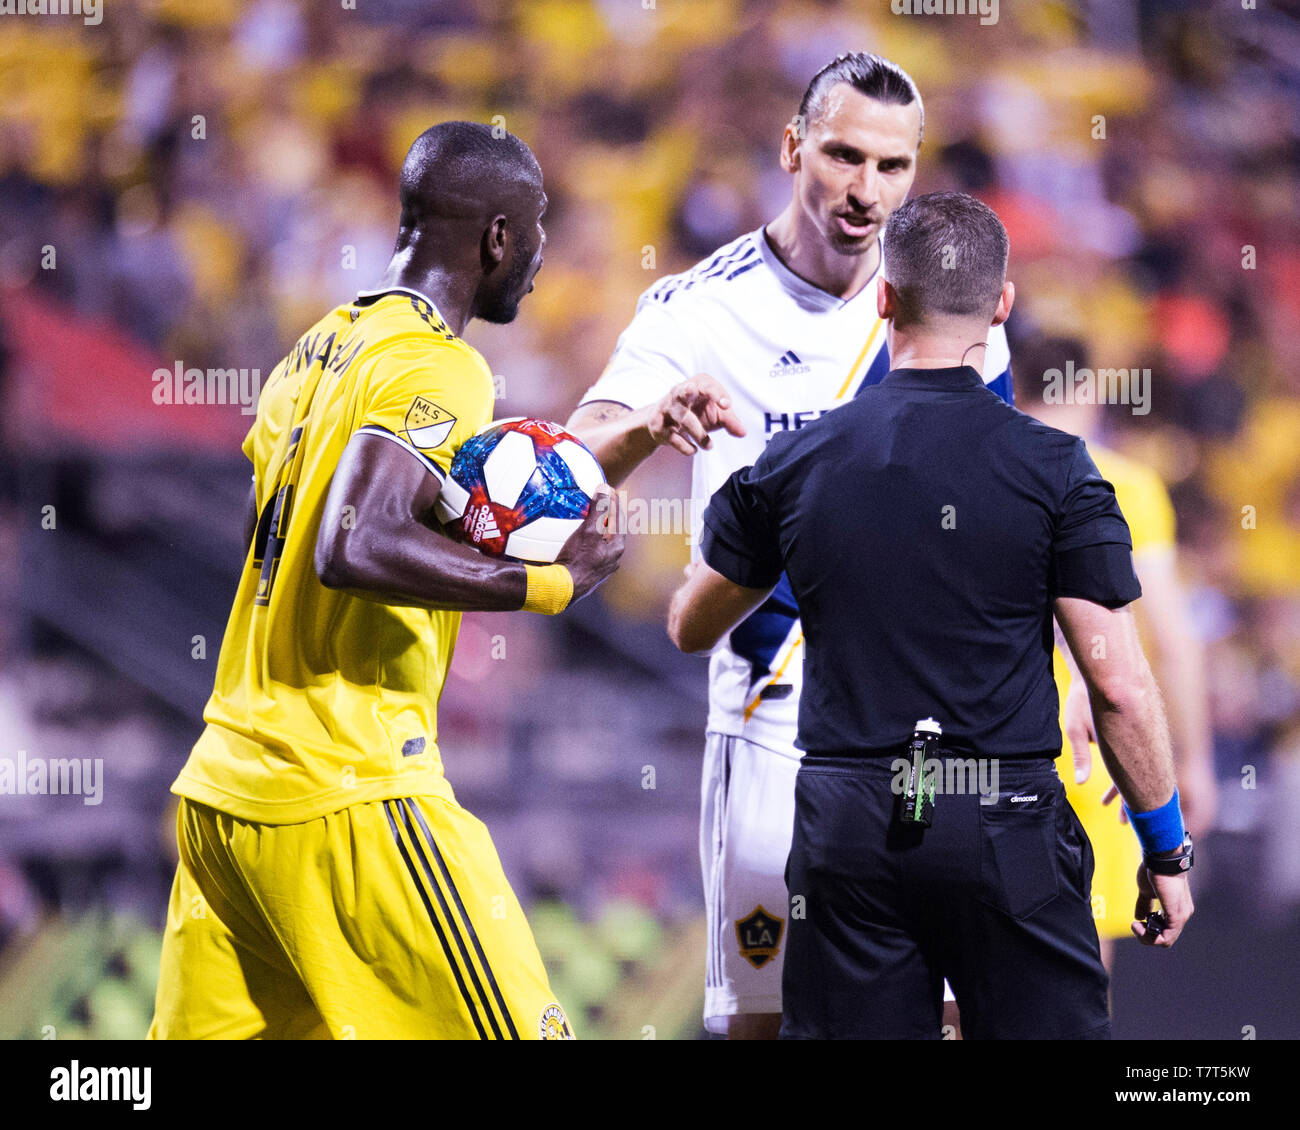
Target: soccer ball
x=518 y=489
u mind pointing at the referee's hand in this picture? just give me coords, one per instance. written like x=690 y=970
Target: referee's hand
x=1175 y=897
x=691 y=410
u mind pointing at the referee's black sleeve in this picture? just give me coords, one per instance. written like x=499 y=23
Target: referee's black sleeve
x=1092 y=551
x=739 y=539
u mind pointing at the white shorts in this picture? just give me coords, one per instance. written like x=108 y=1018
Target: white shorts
x=746 y=825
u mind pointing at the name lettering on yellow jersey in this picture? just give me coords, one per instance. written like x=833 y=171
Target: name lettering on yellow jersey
x=340 y=361
x=308 y=351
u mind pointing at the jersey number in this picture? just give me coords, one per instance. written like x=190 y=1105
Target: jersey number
x=273 y=525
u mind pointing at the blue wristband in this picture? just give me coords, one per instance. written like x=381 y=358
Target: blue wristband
x=1161 y=829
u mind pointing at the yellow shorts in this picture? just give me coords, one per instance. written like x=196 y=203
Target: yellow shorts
x=1114 y=845
x=387 y=920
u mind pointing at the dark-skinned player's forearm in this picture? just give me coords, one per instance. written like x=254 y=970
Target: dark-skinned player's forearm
x=376 y=540
x=413 y=565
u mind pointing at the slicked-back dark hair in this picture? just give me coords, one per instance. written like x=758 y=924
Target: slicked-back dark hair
x=945 y=255
x=868 y=74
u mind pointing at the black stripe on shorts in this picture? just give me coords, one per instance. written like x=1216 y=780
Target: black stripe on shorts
x=470 y=1002
x=473 y=936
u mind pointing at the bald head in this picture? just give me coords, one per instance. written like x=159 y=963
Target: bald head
x=460 y=171
x=472 y=206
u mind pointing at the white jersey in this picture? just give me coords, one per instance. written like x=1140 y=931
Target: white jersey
x=786 y=352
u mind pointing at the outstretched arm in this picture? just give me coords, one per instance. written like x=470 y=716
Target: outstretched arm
x=623 y=439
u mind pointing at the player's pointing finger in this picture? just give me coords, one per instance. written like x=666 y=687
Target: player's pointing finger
x=731 y=422
x=690 y=425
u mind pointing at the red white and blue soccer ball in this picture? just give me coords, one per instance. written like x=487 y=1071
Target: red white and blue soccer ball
x=519 y=489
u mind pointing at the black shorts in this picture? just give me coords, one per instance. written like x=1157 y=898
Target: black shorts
x=994 y=897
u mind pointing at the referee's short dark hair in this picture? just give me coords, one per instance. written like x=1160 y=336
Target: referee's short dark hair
x=868 y=74
x=945 y=256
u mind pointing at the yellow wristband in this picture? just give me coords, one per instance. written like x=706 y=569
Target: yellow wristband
x=550 y=588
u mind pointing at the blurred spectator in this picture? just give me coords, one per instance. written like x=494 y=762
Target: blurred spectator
x=207 y=179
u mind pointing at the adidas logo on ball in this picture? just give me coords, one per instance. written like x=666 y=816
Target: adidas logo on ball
x=519 y=489
x=480 y=525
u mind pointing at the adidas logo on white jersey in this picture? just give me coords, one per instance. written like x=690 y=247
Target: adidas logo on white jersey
x=788 y=365
x=480 y=525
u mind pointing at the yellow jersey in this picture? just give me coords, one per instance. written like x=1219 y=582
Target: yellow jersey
x=1145 y=503
x=1142 y=497
x=323 y=699
x=1146 y=507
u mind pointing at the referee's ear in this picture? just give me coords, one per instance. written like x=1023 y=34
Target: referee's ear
x=1004 y=303
x=887 y=300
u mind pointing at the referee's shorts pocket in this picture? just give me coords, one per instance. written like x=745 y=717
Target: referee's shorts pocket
x=1018 y=849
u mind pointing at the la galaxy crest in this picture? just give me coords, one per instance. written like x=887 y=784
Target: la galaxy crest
x=759 y=935
x=427 y=426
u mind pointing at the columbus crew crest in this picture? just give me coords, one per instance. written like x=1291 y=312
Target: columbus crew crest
x=759 y=936
x=554 y=1025
x=427 y=426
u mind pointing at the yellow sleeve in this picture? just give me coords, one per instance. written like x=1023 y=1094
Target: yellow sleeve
x=1147 y=507
x=427 y=397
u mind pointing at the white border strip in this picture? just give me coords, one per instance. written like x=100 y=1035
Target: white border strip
x=429 y=464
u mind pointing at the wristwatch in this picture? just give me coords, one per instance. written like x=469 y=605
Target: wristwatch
x=1171 y=864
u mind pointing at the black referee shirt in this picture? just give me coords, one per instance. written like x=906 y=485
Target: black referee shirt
x=926 y=528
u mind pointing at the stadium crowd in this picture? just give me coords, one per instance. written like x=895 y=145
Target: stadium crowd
x=208 y=179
